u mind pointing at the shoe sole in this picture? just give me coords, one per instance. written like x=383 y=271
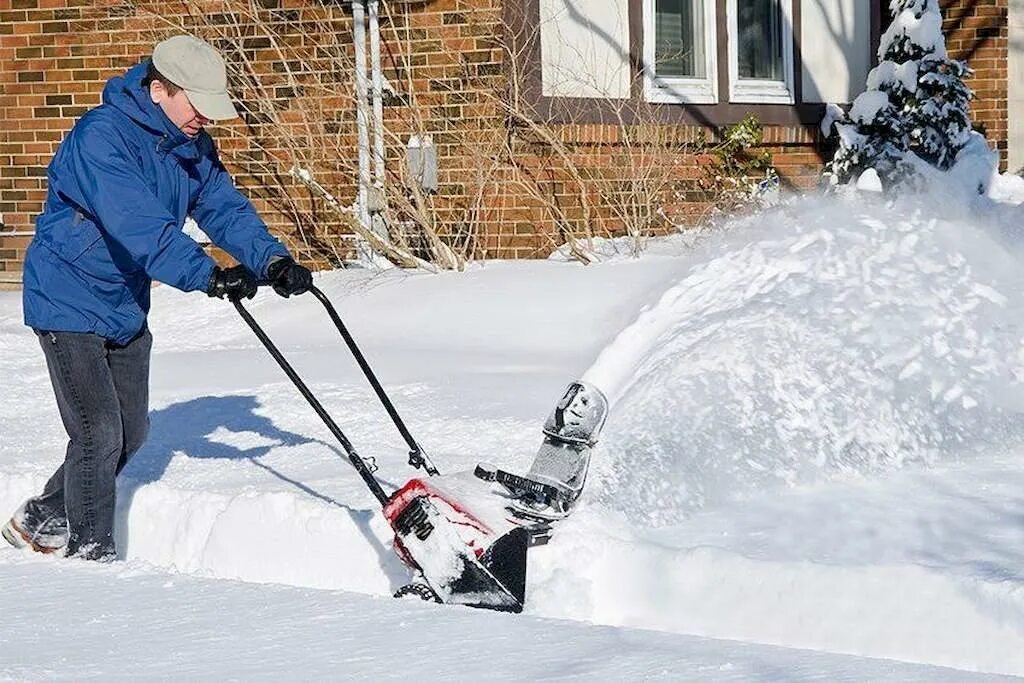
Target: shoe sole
x=17 y=537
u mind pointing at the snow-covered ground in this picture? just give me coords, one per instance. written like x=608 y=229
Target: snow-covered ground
x=813 y=466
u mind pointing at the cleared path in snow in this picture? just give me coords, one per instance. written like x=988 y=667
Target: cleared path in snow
x=130 y=622
x=728 y=524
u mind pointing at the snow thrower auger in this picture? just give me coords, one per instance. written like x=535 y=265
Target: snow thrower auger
x=467 y=534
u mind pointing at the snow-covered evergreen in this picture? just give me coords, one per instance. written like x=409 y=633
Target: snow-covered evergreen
x=872 y=135
x=915 y=108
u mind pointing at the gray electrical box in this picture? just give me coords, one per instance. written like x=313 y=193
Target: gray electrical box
x=421 y=162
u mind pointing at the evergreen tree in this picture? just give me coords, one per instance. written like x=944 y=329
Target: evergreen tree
x=871 y=135
x=939 y=116
x=926 y=105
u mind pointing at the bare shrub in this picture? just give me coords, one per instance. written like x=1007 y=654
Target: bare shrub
x=511 y=173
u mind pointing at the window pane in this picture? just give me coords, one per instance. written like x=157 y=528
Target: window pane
x=679 y=39
x=760 y=39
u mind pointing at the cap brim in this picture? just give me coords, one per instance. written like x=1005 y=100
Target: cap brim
x=214 y=106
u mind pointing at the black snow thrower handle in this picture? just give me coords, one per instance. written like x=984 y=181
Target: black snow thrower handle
x=417 y=456
x=357 y=461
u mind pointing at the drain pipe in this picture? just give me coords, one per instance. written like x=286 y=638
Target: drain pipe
x=377 y=197
x=362 y=116
x=378 y=95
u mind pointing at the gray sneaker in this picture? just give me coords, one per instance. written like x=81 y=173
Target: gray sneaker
x=36 y=527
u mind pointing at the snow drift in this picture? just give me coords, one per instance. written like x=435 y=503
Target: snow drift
x=826 y=338
x=812 y=444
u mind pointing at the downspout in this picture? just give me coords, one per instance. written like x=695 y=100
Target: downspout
x=1015 y=87
x=377 y=197
x=362 y=117
x=378 y=95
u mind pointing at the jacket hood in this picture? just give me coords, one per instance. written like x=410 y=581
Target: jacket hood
x=128 y=95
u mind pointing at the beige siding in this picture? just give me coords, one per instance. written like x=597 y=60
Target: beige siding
x=835 y=40
x=585 y=48
x=1015 y=149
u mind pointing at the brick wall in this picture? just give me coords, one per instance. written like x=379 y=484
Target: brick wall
x=55 y=56
x=502 y=193
x=48 y=76
x=978 y=31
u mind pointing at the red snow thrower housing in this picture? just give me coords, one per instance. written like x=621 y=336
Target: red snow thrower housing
x=471 y=562
x=461 y=558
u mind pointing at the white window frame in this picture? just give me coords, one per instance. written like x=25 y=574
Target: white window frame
x=675 y=90
x=756 y=90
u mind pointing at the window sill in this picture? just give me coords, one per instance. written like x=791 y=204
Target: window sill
x=761 y=92
x=681 y=91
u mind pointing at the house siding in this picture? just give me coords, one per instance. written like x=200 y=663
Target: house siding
x=836 y=50
x=1015 y=87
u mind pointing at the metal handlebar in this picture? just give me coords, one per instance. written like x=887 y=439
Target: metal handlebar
x=418 y=458
x=357 y=461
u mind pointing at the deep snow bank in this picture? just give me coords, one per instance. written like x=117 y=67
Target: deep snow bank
x=920 y=565
x=822 y=339
x=830 y=336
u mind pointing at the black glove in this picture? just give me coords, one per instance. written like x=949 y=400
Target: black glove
x=287 y=277
x=232 y=283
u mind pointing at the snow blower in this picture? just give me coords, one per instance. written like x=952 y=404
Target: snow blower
x=467 y=534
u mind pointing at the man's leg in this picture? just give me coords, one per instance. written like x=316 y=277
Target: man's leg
x=129 y=367
x=90 y=410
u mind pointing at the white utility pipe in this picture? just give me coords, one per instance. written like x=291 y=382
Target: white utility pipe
x=362 y=117
x=378 y=94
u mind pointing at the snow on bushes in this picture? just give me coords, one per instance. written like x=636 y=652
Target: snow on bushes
x=915 y=111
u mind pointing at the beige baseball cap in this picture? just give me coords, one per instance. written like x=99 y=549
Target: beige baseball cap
x=198 y=69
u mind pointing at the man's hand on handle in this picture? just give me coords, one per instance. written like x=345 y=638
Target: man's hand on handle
x=232 y=283
x=287 y=277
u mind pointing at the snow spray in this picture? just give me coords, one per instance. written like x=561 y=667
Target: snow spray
x=828 y=337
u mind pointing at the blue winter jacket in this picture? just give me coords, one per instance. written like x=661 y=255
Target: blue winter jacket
x=120 y=187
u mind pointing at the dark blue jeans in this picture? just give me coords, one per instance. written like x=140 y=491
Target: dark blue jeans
x=102 y=392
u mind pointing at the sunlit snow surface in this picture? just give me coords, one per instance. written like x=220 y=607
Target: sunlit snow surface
x=813 y=444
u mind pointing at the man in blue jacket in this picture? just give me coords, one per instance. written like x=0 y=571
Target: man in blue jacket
x=119 y=189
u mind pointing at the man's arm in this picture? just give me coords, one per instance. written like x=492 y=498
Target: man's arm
x=110 y=186
x=231 y=221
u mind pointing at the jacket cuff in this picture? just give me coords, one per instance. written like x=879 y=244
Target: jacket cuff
x=201 y=282
x=279 y=256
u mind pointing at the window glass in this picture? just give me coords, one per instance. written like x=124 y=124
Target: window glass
x=759 y=43
x=680 y=49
